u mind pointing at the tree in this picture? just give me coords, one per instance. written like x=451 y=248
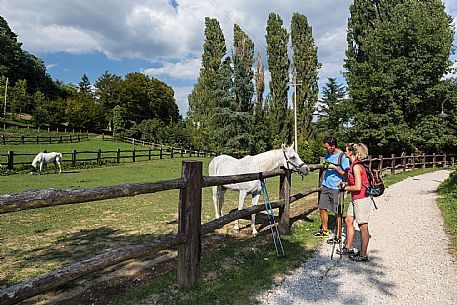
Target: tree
x=19 y=98
x=202 y=100
x=397 y=53
x=118 y=122
x=260 y=88
x=278 y=63
x=305 y=66
x=243 y=60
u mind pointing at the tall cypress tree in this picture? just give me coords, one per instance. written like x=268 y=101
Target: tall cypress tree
x=259 y=88
x=278 y=64
x=203 y=100
x=306 y=66
x=243 y=60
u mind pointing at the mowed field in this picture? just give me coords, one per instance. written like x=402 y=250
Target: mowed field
x=37 y=241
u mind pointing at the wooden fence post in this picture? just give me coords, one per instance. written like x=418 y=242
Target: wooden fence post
x=3 y=140
x=381 y=161
x=424 y=163
x=118 y=155
x=452 y=161
x=50 y=139
x=370 y=165
x=149 y=153
x=73 y=157
x=434 y=160
x=22 y=139
x=71 y=140
x=414 y=160
x=171 y=153
x=60 y=140
x=404 y=162
x=284 y=194
x=190 y=206
x=133 y=155
x=182 y=153
x=161 y=153
x=392 y=164
x=10 y=159
x=99 y=156
x=37 y=139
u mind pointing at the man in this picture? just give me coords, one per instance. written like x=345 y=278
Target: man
x=337 y=167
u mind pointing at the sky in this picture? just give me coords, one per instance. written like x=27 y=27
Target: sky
x=164 y=38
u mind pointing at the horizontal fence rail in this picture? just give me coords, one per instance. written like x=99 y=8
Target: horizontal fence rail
x=43 y=139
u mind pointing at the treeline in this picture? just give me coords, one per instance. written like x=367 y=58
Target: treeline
x=145 y=106
x=227 y=108
x=397 y=57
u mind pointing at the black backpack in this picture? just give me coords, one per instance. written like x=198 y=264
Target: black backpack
x=375 y=187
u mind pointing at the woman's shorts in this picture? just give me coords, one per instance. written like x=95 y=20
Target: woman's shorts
x=360 y=209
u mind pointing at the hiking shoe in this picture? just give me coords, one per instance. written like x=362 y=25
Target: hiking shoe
x=334 y=240
x=322 y=233
x=346 y=251
x=359 y=258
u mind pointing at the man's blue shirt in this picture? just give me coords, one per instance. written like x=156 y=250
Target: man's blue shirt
x=331 y=177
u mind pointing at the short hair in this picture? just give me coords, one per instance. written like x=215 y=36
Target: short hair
x=330 y=141
x=360 y=150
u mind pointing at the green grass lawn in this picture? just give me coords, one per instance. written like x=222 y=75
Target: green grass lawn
x=86 y=149
x=448 y=206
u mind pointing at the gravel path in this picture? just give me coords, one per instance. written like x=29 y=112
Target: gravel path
x=409 y=258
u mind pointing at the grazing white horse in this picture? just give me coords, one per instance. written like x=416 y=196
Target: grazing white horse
x=44 y=159
x=224 y=165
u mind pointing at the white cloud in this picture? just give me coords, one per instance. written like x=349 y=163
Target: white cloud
x=185 y=70
x=181 y=94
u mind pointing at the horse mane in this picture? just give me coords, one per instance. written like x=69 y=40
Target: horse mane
x=266 y=161
x=37 y=159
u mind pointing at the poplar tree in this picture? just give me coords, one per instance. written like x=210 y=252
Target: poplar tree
x=278 y=64
x=243 y=61
x=306 y=66
x=260 y=88
x=203 y=100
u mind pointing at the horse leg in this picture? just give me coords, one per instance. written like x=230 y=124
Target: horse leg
x=218 y=199
x=41 y=167
x=240 y=207
x=60 y=168
x=255 y=200
x=55 y=167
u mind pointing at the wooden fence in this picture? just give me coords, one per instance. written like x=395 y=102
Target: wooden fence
x=190 y=229
x=160 y=152
x=43 y=139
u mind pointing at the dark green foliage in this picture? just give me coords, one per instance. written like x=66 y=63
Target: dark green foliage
x=335 y=112
x=243 y=60
x=47 y=113
x=397 y=54
x=278 y=63
x=118 y=122
x=306 y=66
x=203 y=98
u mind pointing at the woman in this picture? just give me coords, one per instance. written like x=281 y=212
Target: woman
x=361 y=205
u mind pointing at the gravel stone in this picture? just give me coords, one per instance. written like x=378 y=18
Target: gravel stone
x=409 y=257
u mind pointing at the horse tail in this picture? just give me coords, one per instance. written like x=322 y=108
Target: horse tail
x=59 y=157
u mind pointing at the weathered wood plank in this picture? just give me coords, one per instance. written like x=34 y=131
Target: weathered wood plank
x=190 y=211
x=51 y=197
x=43 y=283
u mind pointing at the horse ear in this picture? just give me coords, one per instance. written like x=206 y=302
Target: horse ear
x=283 y=146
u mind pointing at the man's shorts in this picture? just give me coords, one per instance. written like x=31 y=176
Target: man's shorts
x=360 y=209
x=328 y=199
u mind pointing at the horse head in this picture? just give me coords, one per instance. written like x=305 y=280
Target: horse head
x=292 y=160
x=32 y=169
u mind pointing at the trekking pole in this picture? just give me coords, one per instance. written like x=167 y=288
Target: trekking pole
x=337 y=235
x=271 y=219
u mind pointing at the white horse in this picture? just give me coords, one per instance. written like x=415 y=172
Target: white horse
x=44 y=159
x=224 y=165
